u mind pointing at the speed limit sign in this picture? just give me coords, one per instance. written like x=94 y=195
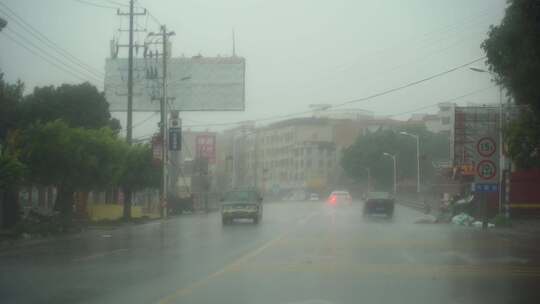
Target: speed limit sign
x=487 y=162
x=486 y=169
x=486 y=146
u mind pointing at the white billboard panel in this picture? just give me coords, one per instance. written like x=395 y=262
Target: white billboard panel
x=194 y=84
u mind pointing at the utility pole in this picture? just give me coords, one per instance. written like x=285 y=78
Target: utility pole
x=163 y=108
x=163 y=101
x=130 y=46
x=129 y=124
x=129 y=120
x=417 y=138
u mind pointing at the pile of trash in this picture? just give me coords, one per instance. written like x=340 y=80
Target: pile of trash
x=463 y=219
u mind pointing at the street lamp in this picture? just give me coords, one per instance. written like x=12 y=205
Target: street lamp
x=502 y=159
x=368 y=179
x=417 y=157
x=393 y=156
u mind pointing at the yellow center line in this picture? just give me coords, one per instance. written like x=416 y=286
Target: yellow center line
x=393 y=269
x=233 y=266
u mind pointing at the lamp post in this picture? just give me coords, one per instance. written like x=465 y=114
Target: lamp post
x=393 y=156
x=417 y=137
x=502 y=158
x=368 y=179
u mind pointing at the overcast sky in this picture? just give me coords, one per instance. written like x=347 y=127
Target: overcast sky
x=298 y=52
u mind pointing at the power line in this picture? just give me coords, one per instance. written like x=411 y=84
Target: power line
x=391 y=115
x=144 y=120
x=363 y=99
x=43 y=57
x=417 y=82
x=144 y=137
x=117 y=3
x=49 y=43
x=255 y=131
x=96 y=5
x=443 y=101
x=156 y=20
x=52 y=57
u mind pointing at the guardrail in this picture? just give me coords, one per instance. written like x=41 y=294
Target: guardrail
x=412 y=204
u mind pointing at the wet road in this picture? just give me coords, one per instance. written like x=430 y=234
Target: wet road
x=299 y=253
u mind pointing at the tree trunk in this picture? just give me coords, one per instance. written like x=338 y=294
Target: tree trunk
x=10 y=208
x=42 y=192
x=64 y=201
x=127 y=204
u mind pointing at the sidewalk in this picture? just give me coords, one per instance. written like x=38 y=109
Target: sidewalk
x=520 y=226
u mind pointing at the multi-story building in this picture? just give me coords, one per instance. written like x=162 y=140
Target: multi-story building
x=439 y=122
x=295 y=154
x=235 y=157
x=299 y=154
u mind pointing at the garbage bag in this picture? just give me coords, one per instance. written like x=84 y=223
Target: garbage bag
x=462 y=219
x=478 y=224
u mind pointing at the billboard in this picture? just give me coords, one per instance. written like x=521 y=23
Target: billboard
x=194 y=84
x=474 y=139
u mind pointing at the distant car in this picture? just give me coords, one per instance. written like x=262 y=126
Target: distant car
x=339 y=198
x=314 y=197
x=241 y=204
x=379 y=203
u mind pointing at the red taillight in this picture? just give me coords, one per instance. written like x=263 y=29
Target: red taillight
x=332 y=199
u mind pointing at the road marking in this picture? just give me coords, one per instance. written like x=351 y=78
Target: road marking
x=98 y=255
x=233 y=266
x=393 y=269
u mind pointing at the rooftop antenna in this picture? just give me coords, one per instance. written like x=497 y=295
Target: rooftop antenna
x=233 y=44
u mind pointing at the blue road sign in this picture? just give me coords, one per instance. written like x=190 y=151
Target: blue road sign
x=175 y=139
x=485 y=187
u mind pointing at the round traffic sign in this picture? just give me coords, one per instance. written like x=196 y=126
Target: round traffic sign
x=486 y=146
x=486 y=169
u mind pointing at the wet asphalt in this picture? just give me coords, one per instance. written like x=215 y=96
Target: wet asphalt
x=301 y=252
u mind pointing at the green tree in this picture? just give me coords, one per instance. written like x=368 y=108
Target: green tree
x=71 y=159
x=137 y=173
x=10 y=97
x=513 y=54
x=11 y=174
x=523 y=138
x=11 y=169
x=80 y=105
x=367 y=152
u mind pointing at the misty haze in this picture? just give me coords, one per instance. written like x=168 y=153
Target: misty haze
x=211 y=151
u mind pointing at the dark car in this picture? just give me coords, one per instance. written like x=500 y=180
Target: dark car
x=241 y=204
x=379 y=203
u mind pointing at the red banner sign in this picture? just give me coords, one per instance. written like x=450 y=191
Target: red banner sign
x=205 y=145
